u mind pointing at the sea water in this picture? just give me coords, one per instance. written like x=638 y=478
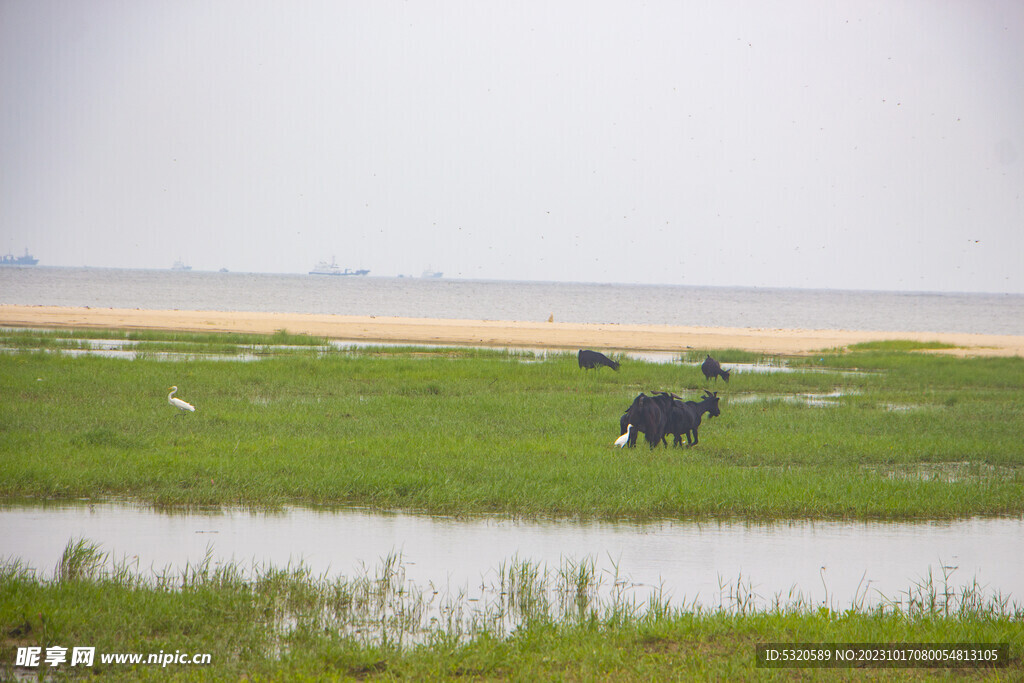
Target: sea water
x=521 y=301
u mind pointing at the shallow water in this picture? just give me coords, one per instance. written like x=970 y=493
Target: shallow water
x=129 y=350
x=821 y=400
x=834 y=563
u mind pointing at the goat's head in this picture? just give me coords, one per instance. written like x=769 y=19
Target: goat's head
x=711 y=399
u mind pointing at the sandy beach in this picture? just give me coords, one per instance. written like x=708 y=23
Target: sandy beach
x=497 y=333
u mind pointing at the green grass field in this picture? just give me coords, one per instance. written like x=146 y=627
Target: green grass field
x=883 y=432
x=875 y=434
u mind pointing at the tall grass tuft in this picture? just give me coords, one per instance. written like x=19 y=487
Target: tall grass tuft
x=81 y=560
x=934 y=597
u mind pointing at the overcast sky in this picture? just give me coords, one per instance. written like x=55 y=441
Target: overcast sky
x=851 y=145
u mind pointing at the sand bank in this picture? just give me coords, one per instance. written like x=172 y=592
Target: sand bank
x=499 y=333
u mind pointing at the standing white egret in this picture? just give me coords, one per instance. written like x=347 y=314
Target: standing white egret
x=178 y=403
x=621 y=441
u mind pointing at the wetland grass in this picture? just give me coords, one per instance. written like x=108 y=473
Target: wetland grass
x=534 y=623
x=901 y=345
x=464 y=431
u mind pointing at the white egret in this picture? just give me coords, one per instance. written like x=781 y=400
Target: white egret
x=621 y=441
x=178 y=403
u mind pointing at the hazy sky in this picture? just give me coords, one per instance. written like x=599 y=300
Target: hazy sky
x=857 y=144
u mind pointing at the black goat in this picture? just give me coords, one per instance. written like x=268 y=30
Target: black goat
x=592 y=359
x=685 y=417
x=665 y=402
x=712 y=368
x=646 y=416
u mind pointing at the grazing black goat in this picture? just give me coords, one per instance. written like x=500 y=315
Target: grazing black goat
x=645 y=414
x=685 y=417
x=712 y=368
x=592 y=359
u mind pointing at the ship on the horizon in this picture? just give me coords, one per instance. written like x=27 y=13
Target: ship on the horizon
x=325 y=268
x=431 y=273
x=180 y=265
x=12 y=260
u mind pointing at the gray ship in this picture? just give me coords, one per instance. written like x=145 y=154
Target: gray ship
x=12 y=260
x=325 y=268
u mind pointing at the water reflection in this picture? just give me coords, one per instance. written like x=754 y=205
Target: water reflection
x=694 y=563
